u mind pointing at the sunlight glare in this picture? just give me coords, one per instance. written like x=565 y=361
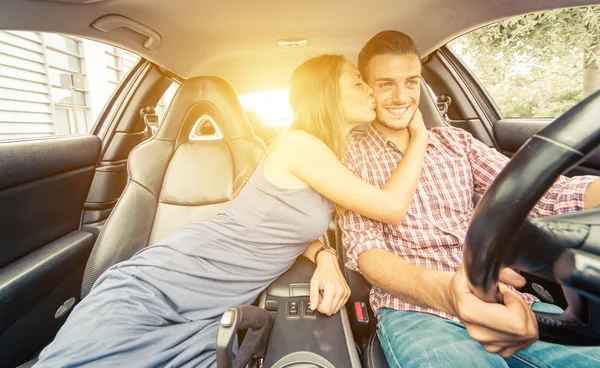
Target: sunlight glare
x=273 y=107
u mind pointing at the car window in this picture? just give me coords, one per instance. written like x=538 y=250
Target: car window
x=52 y=84
x=536 y=65
x=269 y=112
x=165 y=101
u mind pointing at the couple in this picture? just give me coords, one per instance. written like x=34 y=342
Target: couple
x=404 y=224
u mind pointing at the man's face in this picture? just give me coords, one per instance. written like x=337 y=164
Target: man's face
x=395 y=81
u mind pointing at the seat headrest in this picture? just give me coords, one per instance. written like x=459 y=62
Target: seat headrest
x=200 y=96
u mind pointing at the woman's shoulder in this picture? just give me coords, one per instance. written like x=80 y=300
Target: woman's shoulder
x=298 y=135
x=297 y=140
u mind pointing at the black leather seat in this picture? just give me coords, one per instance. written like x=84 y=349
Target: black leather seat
x=181 y=175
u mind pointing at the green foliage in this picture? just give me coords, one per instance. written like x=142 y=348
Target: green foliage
x=533 y=65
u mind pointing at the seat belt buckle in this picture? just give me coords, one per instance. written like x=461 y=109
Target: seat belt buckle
x=361 y=312
x=150 y=118
x=151 y=121
x=443 y=104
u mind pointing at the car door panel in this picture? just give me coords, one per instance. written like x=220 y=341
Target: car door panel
x=28 y=334
x=511 y=134
x=43 y=186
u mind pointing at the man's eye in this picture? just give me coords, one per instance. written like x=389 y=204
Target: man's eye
x=413 y=82
x=385 y=85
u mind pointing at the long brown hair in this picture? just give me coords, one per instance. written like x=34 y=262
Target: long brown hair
x=315 y=100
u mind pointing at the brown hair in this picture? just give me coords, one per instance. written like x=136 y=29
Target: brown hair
x=314 y=97
x=385 y=43
x=315 y=102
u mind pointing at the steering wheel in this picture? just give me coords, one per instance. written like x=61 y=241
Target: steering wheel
x=563 y=248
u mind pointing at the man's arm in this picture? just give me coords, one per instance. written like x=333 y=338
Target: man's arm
x=419 y=286
x=368 y=254
x=502 y=329
x=565 y=195
x=591 y=198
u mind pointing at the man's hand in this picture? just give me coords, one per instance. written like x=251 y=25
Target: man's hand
x=502 y=329
x=328 y=288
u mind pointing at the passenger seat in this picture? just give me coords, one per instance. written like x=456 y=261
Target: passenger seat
x=180 y=175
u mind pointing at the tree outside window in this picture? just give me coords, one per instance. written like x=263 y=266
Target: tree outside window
x=536 y=65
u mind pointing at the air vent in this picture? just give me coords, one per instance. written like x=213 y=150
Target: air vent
x=292 y=42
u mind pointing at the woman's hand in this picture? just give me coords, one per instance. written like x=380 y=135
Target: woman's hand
x=416 y=127
x=328 y=288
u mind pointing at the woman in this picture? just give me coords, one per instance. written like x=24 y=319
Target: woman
x=162 y=307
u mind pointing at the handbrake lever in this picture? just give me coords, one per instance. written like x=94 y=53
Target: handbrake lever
x=257 y=321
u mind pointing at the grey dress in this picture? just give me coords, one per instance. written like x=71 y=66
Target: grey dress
x=162 y=307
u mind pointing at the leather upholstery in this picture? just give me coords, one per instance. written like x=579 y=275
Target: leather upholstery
x=373 y=356
x=173 y=180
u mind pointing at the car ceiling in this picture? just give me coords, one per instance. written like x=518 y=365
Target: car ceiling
x=236 y=39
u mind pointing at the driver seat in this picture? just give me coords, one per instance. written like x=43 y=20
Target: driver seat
x=187 y=172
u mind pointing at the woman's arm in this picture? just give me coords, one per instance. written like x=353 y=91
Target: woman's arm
x=328 y=280
x=316 y=165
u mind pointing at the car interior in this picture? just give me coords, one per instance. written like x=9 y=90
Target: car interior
x=72 y=206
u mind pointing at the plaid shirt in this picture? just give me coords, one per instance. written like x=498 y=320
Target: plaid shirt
x=433 y=231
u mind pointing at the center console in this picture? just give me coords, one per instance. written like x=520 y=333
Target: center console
x=300 y=337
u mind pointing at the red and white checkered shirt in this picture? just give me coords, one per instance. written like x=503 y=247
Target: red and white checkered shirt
x=433 y=231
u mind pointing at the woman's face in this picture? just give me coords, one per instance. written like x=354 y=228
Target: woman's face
x=356 y=97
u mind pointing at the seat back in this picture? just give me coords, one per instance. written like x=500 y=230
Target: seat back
x=180 y=175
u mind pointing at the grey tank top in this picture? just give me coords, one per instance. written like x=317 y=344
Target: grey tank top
x=264 y=220
x=277 y=216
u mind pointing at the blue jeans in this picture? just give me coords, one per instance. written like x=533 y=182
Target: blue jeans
x=412 y=339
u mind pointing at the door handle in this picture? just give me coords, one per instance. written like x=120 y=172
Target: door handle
x=109 y=23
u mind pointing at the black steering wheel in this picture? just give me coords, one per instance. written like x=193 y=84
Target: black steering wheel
x=563 y=248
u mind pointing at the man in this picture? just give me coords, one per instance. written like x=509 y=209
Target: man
x=426 y=311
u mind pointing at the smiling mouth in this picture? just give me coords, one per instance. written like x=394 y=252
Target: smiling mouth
x=398 y=110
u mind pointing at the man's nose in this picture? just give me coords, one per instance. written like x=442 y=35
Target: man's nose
x=398 y=94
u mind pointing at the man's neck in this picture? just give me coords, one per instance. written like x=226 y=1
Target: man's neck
x=401 y=137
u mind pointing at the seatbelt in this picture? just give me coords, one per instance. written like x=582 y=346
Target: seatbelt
x=443 y=103
x=150 y=120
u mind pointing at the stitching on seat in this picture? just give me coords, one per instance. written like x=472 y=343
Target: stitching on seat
x=144 y=187
x=371 y=357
